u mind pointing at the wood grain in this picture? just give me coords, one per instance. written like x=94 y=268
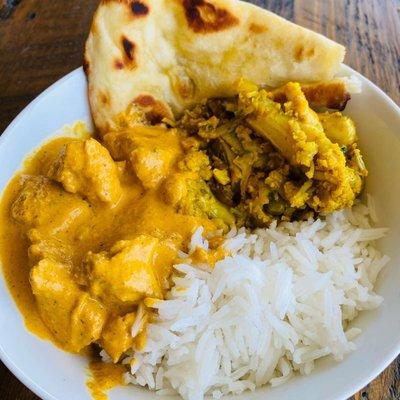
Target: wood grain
x=40 y=41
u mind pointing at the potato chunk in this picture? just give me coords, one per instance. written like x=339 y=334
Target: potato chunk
x=86 y=167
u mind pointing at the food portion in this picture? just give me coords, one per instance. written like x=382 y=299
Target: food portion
x=100 y=235
x=276 y=161
x=283 y=298
x=164 y=56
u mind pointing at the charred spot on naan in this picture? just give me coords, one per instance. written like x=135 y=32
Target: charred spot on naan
x=302 y=54
x=128 y=55
x=257 y=28
x=204 y=17
x=139 y=8
x=86 y=65
x=154 y=110
x=94 y=28
x=129 y=52
x=104 y=98
x=182 y=84
x=118 y=64
x=185 y=88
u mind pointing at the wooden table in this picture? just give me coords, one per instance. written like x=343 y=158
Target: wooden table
x=42 y=40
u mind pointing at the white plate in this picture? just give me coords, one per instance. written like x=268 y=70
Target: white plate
x=55 y=375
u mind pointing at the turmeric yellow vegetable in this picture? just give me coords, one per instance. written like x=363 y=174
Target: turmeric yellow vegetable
x=296 y=130
x=338 y=128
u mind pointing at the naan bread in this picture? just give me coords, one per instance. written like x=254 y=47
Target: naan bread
x=166 y=55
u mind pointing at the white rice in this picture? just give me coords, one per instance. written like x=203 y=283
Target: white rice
x=283 y=298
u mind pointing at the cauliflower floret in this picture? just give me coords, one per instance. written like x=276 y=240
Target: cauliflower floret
x=297 y=132
x=196 y=161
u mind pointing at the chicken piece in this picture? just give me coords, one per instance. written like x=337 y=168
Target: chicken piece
x=51 y=216
x=332 y=94
x=86 y=167
x=74 y=318
x=297 y=132
x=121 y=143
x=51 y=248
x=43 y=205
x=116 y=337
x=152 y=151
x=125 y=275
x=174 y=189
x=151 y=165
x=87 y=321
